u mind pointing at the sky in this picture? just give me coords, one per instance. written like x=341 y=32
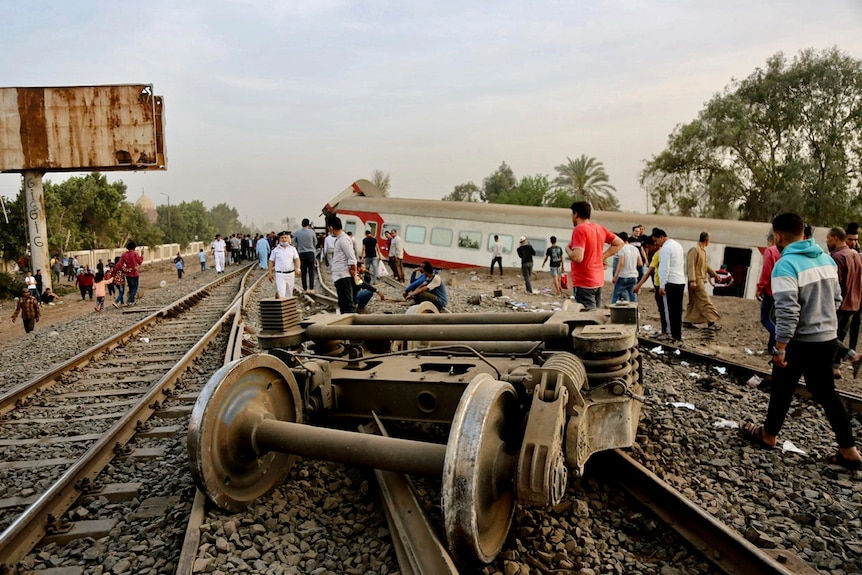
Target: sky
x=274 y=107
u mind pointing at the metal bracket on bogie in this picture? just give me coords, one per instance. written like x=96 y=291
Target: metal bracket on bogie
x=529 y=397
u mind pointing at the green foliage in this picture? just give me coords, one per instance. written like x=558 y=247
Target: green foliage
x=13 y=238
x=381 y=181
x=786 y=138
x=185 y=223
x=502 y=181
x=11 y=286
x=465 y=241
x=468 y=192
x=224 y=219
x=584 y=179
x=530 y=191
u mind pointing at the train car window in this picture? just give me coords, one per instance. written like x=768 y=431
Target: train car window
x=470 y=240
x=373 y=227
x=350 y=226
x=539 y=244
x=506 y=240
x=441 y=237
x=415 y=234
x=390 y=227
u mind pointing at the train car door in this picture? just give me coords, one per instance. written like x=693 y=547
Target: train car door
x=738 y=262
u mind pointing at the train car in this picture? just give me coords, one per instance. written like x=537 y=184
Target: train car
x=455 y=235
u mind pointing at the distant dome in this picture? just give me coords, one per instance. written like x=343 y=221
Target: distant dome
x=145 y=202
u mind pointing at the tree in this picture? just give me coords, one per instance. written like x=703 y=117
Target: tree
x=530 y=191
x=381 y=181
x=786 y=138
x=584 y=179
x=468 y=192
x=501 y=181
x=224 y=219
x=13 y=238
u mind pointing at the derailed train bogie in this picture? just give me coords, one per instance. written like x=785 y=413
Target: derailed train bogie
x=529 y=397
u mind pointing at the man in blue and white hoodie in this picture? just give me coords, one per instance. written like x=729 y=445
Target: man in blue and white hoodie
x=807 y=295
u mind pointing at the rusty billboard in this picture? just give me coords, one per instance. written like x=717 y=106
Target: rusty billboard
x=82 y=128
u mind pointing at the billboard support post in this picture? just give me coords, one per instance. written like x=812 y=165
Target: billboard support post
x=37 y=225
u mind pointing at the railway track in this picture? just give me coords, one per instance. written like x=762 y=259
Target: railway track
x=742 y=373
x=729 y=552
x=88 y=409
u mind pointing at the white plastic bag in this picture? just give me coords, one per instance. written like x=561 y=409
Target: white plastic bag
x=381 y=269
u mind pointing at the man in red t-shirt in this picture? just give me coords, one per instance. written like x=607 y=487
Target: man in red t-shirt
x=586 y=250
x=130 y=261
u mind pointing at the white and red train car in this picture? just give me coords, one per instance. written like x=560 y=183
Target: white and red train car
x=455 y=235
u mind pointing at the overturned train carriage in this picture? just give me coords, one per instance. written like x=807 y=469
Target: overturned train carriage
x=529 y=398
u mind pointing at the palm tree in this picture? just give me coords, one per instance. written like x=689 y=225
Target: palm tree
x=585 y=179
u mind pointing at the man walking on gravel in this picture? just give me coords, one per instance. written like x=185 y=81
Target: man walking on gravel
x=700 y=308
x=806 y=291
x=526 y=253
x=28 y=307
x=130 y=261
x=306 y=243
x=218 y=249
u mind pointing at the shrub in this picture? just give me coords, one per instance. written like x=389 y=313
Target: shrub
x=10 y=286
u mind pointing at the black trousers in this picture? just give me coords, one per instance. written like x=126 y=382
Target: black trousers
x=814 y=361
x=499 y=262
x=344 y=289
x=673 y=295
x=306 y=260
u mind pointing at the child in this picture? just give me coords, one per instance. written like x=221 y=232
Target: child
x=99 y=285
x=203 y=258
x=179 y=263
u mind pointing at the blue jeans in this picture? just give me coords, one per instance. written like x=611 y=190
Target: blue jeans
x=624 y=289
x=132 y=282
x=371 y=268
x=121 y=289
x=363 y=296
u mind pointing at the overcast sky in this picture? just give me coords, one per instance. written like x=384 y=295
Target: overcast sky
x=276 y=106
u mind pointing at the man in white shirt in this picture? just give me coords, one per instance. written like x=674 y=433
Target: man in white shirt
x=628 y=262
x=671 y=274
x=218 y=249
x=284 y=266
x=396 y=255
x=497 y=250
x=342 y=265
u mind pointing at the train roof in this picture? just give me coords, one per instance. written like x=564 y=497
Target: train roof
x=730 y=232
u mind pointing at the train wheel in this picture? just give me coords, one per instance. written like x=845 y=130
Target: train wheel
x=223 y=459
x=479 y=470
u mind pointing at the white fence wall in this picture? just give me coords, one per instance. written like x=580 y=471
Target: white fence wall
x=160 y=253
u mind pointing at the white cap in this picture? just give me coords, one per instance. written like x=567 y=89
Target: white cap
x=522 y=239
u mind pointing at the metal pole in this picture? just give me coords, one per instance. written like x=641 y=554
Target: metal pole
x=389 y=453
x=37 y=225
x=170 y=228
x=501 y=332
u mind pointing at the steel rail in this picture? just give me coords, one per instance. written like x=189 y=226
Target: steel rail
x=719 y=544
x=10 y=399
x=31 y=526
x=192 y=538
x=417 y=546
x=743 y=372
